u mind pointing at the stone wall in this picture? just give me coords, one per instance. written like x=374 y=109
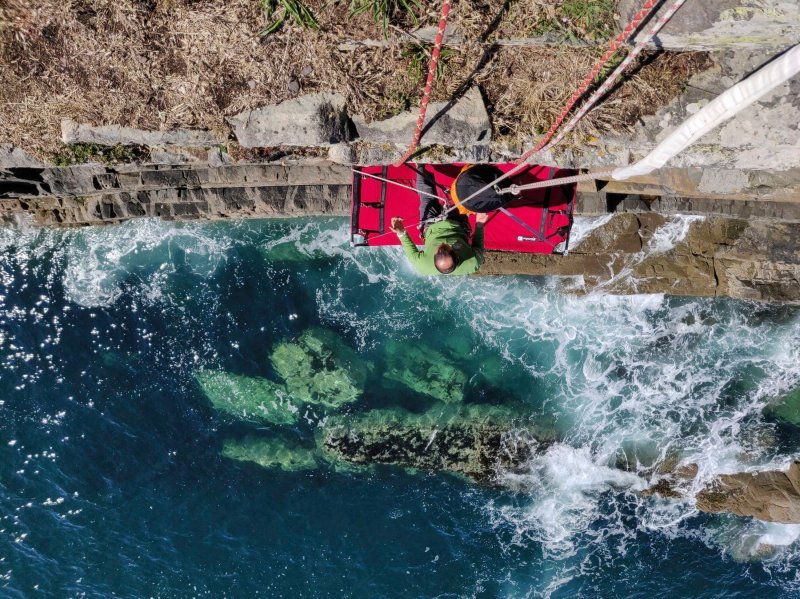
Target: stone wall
x=731 y=253
x=94 y=194
x=748 y=259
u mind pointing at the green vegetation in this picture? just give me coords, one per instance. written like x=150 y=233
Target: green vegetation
x=594 y=19
x=588 y=20
x=295 y=9
x=611 y=66
x=247 y=398
x=419 y=56
x=81 y=153
x=383 y=11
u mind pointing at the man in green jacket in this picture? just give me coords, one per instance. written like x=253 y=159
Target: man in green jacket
x=447 y=247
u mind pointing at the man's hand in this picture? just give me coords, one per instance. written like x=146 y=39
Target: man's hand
x=481 y=218
x=397 y=225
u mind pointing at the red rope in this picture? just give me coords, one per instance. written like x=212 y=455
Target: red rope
x=615 y=44
x=437 y=46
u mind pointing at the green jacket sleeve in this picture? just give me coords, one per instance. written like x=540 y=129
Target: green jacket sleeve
x=410 y=249
x=477 y=244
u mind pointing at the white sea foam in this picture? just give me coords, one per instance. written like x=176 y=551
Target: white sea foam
x=98 y=259
x=631 y=379
x=582 y=226
x=674 y=231
x=564 y=484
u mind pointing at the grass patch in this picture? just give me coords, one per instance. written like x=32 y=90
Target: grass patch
x=205 y=61
x=594 y=19
x=419 y=56
x=295 y=9
x=82 y=153
x=384 y=11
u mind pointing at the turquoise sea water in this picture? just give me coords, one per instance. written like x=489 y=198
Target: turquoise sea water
x=112 y=483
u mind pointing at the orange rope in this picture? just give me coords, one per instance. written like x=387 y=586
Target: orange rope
x=615 y=44
x=437 y=46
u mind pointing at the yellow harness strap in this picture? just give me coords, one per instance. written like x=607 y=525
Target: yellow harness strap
x=454 y=196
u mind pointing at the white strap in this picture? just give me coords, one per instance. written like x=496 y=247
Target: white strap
x=725 y=106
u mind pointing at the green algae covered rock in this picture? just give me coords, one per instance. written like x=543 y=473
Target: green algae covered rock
x=425 y=371
x=247 y=398
x=320 y=368
x=471 y=440
x=786 y=409
x=274 y=453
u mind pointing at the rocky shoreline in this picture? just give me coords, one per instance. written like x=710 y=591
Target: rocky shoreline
x=716 y=250
x=320 y=381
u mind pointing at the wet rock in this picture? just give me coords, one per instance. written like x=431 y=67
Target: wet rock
x=424 y=370
x=111 y=135
x=465 y=123
x=248 y=398
x=619 y=234
x=309 y=120
x=320 y=368
x=470 y=440
x=773 y=496
x=273 y=453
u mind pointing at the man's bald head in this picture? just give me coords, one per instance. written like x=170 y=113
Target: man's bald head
x=445 y=259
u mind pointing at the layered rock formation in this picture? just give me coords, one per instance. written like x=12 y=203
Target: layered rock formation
x=646 y=253
x=773 y=496
x=317 y=370
x=471 y=440
x=475 y=440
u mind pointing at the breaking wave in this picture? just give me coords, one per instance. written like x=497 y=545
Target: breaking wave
x=631 y=382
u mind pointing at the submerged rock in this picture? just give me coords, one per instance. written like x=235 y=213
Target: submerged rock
x=472 y=440
x=271 y=453
x=787 y=408
x=247 y=398
x=773 y=495
x=426 y=371
x=320 y=368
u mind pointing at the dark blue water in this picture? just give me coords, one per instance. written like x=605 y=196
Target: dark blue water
x=112 y=483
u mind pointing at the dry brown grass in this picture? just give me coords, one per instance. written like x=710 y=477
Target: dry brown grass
x=163 y=64
x=529 y=88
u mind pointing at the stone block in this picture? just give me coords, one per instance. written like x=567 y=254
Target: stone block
x=465 y=123
x=12 y=157
x=310 y=120
x=111 y=135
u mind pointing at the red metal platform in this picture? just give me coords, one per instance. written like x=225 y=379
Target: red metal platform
x=540 y=219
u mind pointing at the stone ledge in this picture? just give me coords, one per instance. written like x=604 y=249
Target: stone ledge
x=111 y=135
